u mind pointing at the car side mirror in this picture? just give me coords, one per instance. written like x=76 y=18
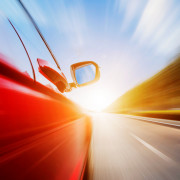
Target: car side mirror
x=57 y=78
x=85 y=73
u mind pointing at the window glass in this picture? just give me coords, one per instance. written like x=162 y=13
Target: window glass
x=11 y=48
x=33 y=42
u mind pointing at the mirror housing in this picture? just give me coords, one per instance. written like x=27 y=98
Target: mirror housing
x=57 y=78
x=85 y=73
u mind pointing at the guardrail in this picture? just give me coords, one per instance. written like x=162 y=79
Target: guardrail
x=165 y=122
x=162 y=114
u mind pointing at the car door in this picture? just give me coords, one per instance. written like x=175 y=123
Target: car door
x=43 y=135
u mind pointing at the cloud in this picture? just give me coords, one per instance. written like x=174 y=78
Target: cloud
x=158 y=25
x=130 y=9
x=152 y=17
x=70 y=21
x=171 y=45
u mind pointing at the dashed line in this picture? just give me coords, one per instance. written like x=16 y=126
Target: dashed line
x=154 y=150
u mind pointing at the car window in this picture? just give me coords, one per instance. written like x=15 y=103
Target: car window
x=33 y=42
x=11 y=48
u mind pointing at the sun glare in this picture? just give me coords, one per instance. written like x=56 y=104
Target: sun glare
x=95 y=100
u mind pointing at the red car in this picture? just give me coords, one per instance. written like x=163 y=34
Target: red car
x=43 y=135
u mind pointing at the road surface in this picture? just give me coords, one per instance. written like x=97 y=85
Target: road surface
x=125 y=148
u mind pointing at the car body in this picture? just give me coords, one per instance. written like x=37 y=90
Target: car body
x=43 y=134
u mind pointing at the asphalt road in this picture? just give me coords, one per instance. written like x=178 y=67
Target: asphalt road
x=125 y=148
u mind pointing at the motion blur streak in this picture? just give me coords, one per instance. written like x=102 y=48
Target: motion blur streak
x=131 y=40
x=43 y=134
x=116 y=154
x=160 y=92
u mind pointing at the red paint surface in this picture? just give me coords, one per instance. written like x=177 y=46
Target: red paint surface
x=43 y=135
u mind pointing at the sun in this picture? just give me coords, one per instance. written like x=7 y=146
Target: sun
x=97 y=101
x=94 y=99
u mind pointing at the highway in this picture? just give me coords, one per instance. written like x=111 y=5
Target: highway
x=126 y=148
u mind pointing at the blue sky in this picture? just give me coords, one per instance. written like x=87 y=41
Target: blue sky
x=130 y=39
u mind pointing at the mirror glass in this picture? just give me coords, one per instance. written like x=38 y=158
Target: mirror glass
x=85 y=74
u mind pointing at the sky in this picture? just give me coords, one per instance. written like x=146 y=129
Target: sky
x=131 y=40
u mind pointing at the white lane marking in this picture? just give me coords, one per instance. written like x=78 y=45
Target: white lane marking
x=157 y=152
